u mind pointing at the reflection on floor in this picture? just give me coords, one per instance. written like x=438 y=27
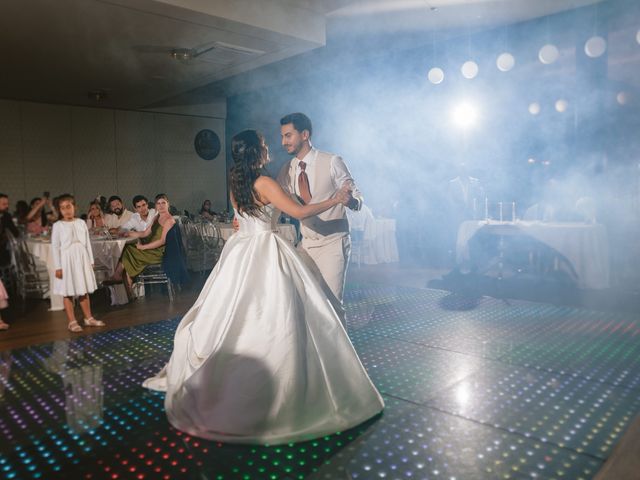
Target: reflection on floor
x=476 y=388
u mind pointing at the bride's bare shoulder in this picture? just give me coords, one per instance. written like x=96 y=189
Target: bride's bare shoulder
x=264 y=184
x=264 y=180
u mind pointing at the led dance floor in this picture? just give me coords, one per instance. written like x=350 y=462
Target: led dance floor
x=474 y=388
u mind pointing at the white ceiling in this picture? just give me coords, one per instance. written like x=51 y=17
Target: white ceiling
x=395 y=15
x=58 y=51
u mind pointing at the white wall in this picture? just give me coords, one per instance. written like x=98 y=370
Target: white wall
x=99 y=151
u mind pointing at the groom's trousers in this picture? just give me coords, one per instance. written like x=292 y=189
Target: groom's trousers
x=331 y=261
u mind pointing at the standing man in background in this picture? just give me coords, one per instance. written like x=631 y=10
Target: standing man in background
x=6 y=225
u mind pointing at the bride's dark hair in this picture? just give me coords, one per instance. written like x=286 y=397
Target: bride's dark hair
x=249 y=154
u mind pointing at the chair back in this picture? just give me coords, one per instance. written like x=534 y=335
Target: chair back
x=190 y=236
x=21 y=258
x=210 y=235
x=30 y=277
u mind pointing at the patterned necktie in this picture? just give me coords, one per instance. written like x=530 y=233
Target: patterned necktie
x=303 y=183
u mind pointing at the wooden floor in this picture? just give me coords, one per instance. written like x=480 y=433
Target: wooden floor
x=37 y=325
x=624 y=462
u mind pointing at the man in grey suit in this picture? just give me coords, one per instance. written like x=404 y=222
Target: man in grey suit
x=313 y=176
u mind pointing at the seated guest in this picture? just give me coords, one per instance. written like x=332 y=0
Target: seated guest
x=205 y=210
x=21 y=212
x=143 y=217
x=465 y=195
x=150 y=249
x=7 y=227
x=118 y=216
x=95 y=218
x=37 y=220
x=102 y=200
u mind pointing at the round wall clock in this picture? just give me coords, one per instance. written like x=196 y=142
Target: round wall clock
x=207 y=144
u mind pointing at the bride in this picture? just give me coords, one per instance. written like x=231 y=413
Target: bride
x=261 y=357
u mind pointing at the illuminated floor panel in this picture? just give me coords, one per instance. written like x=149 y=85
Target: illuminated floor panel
x=476 y=388
x=411 y=371
x=568 y=411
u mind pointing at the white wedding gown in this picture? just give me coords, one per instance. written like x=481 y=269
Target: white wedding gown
x=261 y=357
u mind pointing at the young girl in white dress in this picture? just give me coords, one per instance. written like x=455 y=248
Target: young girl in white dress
x=73 y=260
x=3 y=304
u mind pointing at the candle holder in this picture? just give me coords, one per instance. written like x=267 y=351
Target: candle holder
x=486 y=209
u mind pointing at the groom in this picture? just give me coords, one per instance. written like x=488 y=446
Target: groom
x=313 y=176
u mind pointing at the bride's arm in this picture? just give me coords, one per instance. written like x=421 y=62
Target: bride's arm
x=270 y=192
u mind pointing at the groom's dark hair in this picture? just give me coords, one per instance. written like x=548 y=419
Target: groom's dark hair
x=300 y=122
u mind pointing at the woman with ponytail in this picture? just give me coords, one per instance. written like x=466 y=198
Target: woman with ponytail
x=262 y=357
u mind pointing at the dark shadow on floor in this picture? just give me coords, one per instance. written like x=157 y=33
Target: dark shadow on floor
x=555 y=289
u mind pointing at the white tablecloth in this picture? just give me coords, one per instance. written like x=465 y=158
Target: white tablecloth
x=584 y=246
x=373 y=239
x=105 y=253
x=380 y=242
x=376 y=243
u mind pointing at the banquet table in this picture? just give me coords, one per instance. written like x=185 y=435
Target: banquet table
x=106 y=253
x=373 y=239
x=584 y=246
x=380 y=244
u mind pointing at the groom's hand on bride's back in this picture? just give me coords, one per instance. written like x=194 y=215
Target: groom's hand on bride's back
x=236 y=225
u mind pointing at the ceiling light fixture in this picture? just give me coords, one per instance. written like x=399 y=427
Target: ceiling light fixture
x=505 y=62
x=97 y=95
x=181 y=54
x=548 y=54
x=436 y=75
x=431 y=7
x=595 y=47
x=469 y=69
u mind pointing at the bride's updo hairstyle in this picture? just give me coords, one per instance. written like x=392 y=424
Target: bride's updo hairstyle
x=249 y=154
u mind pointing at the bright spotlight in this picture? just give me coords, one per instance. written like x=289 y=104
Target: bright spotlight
x=562 y=105
x=505 y=62
x=548 y=54
x=622 y=98
x=469 y=69
x=534 y=108
x=595 y=47
x=435 y=75
x=464 y=115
